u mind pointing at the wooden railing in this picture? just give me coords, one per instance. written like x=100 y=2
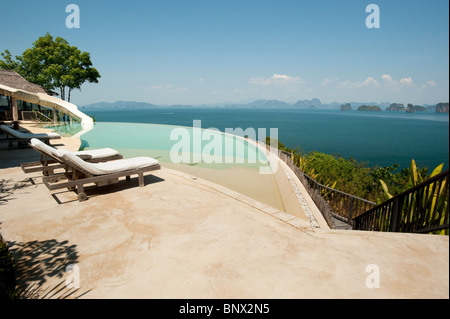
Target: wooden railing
x=343 y=206
x=330 y=202
x=421 y=209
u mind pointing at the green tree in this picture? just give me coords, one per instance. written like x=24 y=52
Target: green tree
x=7 y=63
x=53 y=64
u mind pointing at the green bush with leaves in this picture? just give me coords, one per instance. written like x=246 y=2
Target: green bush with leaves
x=376 y=184
x=432 y=199
x=355 y=177
x=7 y=278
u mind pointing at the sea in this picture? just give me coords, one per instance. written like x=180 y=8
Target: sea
x=375 y=138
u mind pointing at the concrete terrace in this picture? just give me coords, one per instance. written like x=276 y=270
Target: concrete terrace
x=181 y=236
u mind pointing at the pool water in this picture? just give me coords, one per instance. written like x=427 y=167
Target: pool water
x=64 y=129
x=224 y=159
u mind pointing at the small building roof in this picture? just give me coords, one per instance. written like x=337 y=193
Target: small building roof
x=13 y=79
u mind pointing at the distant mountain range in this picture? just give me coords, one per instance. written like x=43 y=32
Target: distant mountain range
x=301 y=104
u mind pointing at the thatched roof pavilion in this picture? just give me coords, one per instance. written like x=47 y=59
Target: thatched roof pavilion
x=13 y=79
x=17 y=88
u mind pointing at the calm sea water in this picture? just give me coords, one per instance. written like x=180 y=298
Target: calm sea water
x=378 y=138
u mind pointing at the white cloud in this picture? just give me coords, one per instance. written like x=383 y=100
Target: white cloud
x=407 y=81
x=387 y=78
x=429 y=84
x=277 y=79
x=327 y=81
x=391 y=83
x=370 y=81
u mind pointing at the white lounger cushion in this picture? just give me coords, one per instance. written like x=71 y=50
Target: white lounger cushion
x=109 y=167
x=23 y=135
x=44 y=147
x=95 y=154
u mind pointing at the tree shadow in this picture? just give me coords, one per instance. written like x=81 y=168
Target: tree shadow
x=9 y=186
x=37 y=262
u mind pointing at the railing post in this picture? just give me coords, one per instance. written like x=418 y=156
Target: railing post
x=350 y=212
x=393 y=227
x=55 y=121
x=391 y=214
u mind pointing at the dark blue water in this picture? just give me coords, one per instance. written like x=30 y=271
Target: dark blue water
x=378 y=138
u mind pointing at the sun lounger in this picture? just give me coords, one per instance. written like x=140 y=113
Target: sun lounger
x=18 y=136
x=52 y=160
x=82 y=172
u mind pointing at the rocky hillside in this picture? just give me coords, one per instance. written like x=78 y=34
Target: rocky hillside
x=346 y=107
x=372 y=108
x=442 y=108
x=396 y=107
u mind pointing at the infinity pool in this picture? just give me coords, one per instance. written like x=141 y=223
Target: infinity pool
x=227 y=160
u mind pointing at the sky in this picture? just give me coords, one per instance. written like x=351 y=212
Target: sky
x=236 y=51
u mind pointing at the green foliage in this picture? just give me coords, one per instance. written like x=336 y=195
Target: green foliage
x=302 y=162
x=7 y=278
x=386 y=189
x=436 y=198
x=393 y=181
x=53 y=64
x=274 y=142
x=92 y=117
x=376 y=184
x=357 y=178
x=407 y=178
x=7 y=63
x=346 y=174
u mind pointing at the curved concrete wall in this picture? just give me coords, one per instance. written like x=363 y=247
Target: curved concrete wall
x=52 y=102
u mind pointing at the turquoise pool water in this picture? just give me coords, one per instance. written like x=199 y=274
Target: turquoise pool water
x=177 y=144
x=66 y=129
x=208 y=155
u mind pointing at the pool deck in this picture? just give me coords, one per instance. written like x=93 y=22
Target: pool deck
x=181 y=236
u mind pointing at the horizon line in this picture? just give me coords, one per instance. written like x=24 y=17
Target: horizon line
x=257 y=100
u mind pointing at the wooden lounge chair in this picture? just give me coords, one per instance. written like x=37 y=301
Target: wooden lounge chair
x=52 y=160
x=82 y=172
x=18 y=136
